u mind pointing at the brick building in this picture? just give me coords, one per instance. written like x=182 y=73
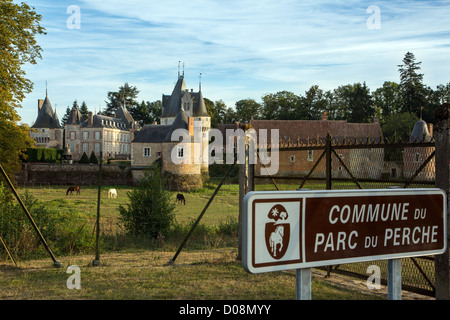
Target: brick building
x=314 y=132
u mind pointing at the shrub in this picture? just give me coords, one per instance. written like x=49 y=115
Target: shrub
x=150 y=210
x=84 y=158
x=63 y=230
x=93 y=158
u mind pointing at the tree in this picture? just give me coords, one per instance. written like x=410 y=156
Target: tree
x=354 y=103
x=399 y=126
x=66 y=116
x=84 y=158
x=246 y=109
x=314 y=103
x=127 y=94
x=361 y=104
x=443 y=93
x=412 y=90
x=150 y=210
x=283 y=105
x=84 y=111
x=93 y=158
x=387 y=99
x=19 y=26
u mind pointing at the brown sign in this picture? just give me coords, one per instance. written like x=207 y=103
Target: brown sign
x=299 y=229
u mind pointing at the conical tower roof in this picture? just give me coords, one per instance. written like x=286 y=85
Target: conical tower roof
x=420 y=132
x=174 y=102
x=46 y=117
x=200 y=106
x=181 y=122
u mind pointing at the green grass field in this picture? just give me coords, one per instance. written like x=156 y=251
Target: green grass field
x=137 y=268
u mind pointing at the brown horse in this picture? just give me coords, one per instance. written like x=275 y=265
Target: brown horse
x=72 y=189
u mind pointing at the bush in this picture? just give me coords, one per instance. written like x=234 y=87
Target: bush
x=93 y=159
x=84 y=158
x=150 y=210
x=63 y=230
x=48 y=155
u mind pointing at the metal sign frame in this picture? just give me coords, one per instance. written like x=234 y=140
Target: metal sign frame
x=259 y=256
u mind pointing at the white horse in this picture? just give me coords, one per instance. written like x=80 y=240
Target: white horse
x=112 y=193
x=276 y=237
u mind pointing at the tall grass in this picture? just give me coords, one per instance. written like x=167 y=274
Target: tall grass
x=63 y=229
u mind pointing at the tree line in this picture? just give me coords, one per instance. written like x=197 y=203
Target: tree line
x=397 y=106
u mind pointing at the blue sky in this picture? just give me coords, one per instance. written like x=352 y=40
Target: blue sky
x=243 y=48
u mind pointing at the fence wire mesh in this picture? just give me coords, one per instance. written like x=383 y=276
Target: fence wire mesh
x=361 y=166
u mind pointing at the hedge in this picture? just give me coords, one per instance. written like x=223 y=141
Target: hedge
x=44 y=155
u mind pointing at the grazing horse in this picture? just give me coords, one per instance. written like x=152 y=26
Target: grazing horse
x=112 y=193
x=72 y=189
x=180 y=198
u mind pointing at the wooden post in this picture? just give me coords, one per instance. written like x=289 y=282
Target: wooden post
x=96 y=261
x=246 y=184
x=442 y=140
x=328 y=151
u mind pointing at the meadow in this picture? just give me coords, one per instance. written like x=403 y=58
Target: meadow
x=139 y=268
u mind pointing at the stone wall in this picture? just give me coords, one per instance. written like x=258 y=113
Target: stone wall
x=73 y=174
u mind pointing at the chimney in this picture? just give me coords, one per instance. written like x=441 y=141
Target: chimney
x=90 y=118
x=324 y=116
x=40 y=104
x=191 y=126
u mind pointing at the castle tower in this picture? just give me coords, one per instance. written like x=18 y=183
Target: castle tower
x=47 y=130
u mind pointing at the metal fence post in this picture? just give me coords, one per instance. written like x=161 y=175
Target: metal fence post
x=303 y=284
x=394 y=279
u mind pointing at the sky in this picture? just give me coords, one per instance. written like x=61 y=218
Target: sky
x=238 y=49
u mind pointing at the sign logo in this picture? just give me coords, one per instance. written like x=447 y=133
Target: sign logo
x=277 y=233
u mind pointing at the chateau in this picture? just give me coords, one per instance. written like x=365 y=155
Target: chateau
x=111 y=135
x=186 y=110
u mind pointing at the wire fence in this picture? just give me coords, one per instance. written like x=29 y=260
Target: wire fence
x=362 y=165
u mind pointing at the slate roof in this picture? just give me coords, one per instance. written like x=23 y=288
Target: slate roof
x=173 y=103
x=199 y=105
x=46 y=117
x=152 y=133
x=181 y=122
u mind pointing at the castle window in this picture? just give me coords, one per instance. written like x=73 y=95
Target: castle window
x=310 y=155
x=292 y=159
x=97 y=135
x=85 y=135
x=85 y=147
x=147 y=152
x=180 y=151
x=72 y=135
x=417 y=157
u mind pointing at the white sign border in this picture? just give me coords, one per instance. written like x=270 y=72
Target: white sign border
x=254 y=195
